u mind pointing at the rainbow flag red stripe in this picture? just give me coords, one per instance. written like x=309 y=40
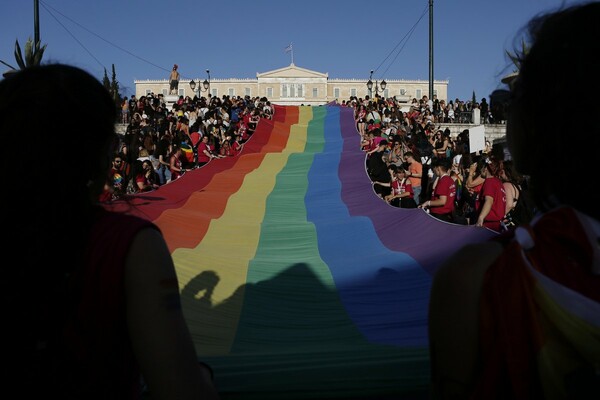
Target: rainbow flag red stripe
x=296 y=279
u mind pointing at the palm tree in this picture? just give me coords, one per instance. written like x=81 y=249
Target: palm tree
x=32 y=56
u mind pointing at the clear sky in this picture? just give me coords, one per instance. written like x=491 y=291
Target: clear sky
x=237 y=39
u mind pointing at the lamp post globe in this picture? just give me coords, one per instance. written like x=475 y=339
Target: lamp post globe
x=383 y=85
x=205 y=84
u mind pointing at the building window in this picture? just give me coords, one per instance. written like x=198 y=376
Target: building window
x=336 y=93
x=386 y=93
x=148 y=91
x=181 y=92
x=269 y=92
x=231 y=92
x=419 y=94
x=315 y=92
x=214 y=92
x=435 y=92
x=352 y=92
x=292 y=90
x=247 y=92
x=165 y=92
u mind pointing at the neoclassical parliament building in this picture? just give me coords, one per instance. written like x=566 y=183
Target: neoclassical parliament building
x=293 y=85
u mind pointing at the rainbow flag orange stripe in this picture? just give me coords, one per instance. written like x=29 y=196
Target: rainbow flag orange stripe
x=298 y=281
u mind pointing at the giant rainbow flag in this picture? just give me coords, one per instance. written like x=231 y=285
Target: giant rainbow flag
x=297 y=281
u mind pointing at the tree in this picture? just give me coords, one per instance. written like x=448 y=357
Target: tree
x=105 y=81
x=112 y=85
x=32 y=56
x=474 y=99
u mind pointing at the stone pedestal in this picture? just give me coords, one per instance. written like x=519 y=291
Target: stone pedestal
x=476 y=116
x=170 y=100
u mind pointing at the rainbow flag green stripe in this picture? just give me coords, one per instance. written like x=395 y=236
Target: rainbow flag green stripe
x=297 y=281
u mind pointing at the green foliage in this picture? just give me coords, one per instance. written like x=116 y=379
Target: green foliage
x=31 y=57
x=105 y=81
x=112 y=85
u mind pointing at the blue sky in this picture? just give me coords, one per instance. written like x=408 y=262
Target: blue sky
x=237 y=39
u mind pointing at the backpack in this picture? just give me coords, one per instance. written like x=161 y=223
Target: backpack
x=523 y=212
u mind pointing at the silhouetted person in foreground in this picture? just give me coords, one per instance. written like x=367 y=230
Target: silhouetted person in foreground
x=92 y=298
x=518 y=317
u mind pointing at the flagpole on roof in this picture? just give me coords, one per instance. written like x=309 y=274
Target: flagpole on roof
x=290 y=49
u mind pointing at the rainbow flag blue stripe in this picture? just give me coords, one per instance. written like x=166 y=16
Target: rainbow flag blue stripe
x=297 y=281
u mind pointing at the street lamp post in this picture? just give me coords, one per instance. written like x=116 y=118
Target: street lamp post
x=205 y=85
x=377 y=84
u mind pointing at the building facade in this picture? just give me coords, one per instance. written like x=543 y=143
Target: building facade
x=293 y=85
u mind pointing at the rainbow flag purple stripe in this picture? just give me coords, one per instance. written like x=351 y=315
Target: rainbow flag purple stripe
x=297 y=281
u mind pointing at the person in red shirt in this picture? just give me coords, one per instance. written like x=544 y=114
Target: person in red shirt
x=441 y=204
x=491 y=203
x=205 y=153
x=146 y=179
x=401 y=194
x=237 y=145
x=226 y=150
x=175 y=163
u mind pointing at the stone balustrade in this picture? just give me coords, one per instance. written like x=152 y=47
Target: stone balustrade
x=495 y=133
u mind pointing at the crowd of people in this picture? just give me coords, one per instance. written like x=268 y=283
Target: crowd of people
x=161 y=144
x=406 y=153
x=413 y=162
x=93 y=308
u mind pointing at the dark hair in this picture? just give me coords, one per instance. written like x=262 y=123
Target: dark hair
x=61 y=104
x=535 y=135
x=494 y=166
x=445 y=163
x=512 y=175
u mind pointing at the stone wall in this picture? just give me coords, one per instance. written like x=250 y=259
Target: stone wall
x=495 y=133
